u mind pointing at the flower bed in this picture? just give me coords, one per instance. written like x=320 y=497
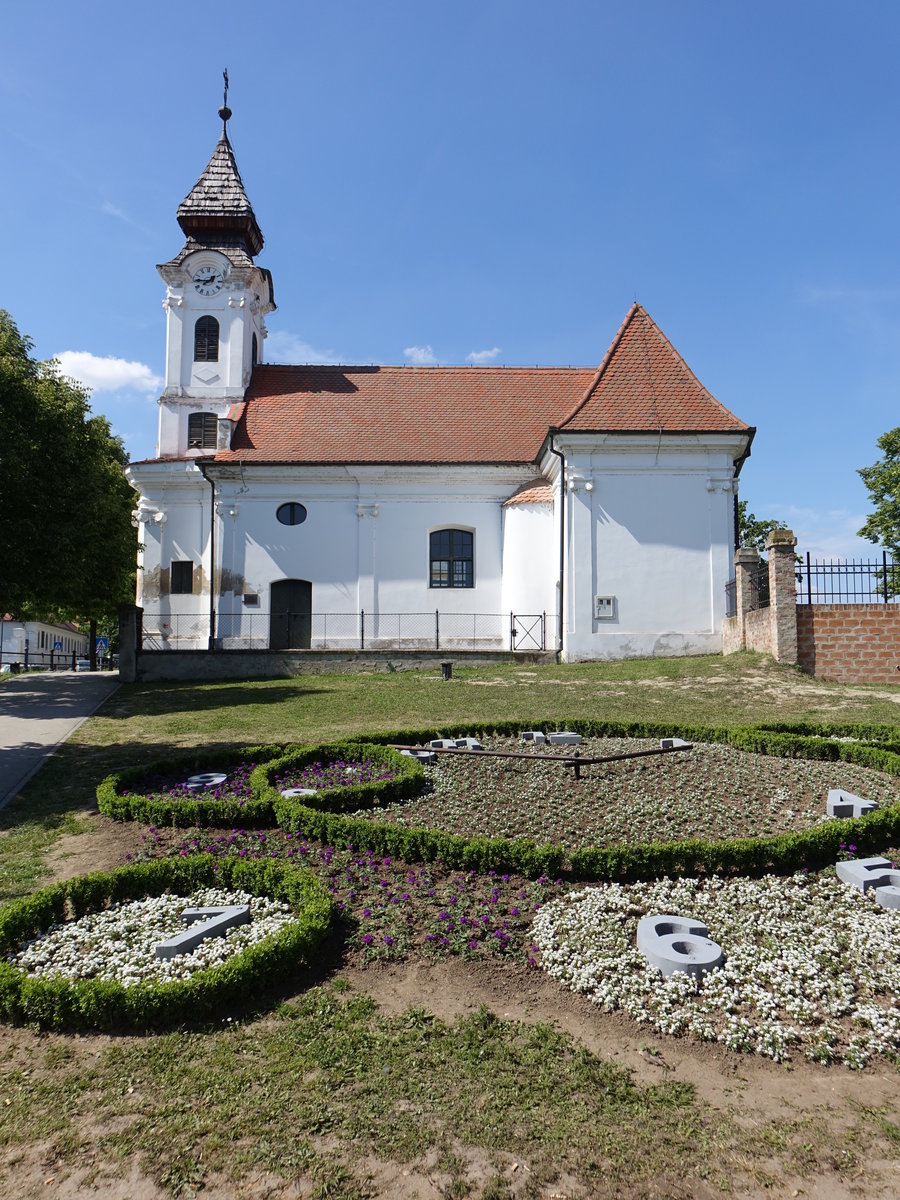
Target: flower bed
x=344 y=775
x=814 y=848
x=158 y=794
x=660 y=798
x=391 y=908
x=101 y=1002
x=118 y=944
x=810 y=964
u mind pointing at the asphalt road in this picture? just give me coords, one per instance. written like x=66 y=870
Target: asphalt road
x=39 y=711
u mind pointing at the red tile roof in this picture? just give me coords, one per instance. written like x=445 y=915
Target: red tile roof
x=535 y=491
x=402 y=414
x=325 y=414
x=643 y=384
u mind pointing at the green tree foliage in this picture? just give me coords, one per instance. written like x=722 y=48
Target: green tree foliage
x=752 y=532
x=883 y=483
x=67 y=546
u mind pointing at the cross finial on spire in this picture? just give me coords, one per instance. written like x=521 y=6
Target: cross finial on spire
x=225 y=111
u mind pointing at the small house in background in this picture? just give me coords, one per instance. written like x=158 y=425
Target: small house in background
x=586 y=510
x=35 y=643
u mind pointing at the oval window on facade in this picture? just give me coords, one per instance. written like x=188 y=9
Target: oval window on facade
x=291 y=513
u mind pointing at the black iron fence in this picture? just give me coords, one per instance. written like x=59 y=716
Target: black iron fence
x=759 y=590
x=850 y=581
x=836 y=581
x=436 y=630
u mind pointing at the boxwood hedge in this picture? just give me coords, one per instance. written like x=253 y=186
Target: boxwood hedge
x=408 y=778
x=116 y=801
x=99 y=1004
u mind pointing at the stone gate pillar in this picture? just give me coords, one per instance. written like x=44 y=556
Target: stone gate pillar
x=746 y=560
x=782 y=594
x=130 y=623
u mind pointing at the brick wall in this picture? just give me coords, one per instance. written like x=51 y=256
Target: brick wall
x=850 y=643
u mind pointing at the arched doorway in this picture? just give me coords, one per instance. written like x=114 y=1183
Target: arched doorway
x=290 y=615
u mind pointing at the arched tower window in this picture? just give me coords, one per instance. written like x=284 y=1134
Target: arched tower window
x=254 y=351
x=202 y=428
x=206 y=340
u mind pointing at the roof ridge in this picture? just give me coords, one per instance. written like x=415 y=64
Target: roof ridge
x=468 y=368
x=635 y=311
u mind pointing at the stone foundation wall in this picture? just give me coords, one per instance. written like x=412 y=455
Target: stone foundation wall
x=850 y=643
x=152 y=666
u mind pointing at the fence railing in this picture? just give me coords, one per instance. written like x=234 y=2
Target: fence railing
x=435 y=630
x=45 y=660
x=759 y=590
x=850 y=581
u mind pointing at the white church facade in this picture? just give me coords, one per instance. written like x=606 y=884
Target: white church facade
x=588 y=511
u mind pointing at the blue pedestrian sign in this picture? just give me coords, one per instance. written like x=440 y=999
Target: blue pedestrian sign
x=102 y=645
x=57 y=646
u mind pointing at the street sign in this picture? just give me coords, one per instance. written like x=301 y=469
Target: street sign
x=57 y=645
x=102 y=644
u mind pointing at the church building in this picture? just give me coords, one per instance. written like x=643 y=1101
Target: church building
x=588 y=511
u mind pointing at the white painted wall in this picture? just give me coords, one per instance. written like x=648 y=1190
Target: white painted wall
x=530 y=562
x=650 y=525
x=239 y=307
x=364 y=546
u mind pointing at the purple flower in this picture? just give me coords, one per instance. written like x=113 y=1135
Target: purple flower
x=368 y=939
x=388 y=940
x=473 y=945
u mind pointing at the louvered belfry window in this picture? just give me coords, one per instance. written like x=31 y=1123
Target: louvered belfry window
x=202 y=429
x=206 y=340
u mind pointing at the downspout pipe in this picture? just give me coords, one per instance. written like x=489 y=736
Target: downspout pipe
x=212 y=557
x=562 y=542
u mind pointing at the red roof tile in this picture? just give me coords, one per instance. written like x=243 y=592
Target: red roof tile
x=643 y=383
x=402 y=414
x=335 y=414
x=535 y=491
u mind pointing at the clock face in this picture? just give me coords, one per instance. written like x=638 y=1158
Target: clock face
x=208 y=280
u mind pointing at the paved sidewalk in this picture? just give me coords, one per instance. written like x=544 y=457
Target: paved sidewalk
x=39 y=711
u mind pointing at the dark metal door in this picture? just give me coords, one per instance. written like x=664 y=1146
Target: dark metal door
x=290 y=619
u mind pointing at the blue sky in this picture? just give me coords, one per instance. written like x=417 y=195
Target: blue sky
x=489 y=179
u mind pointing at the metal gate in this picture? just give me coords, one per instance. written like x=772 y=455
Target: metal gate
x=527 y=631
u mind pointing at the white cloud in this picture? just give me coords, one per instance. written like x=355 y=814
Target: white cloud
x=420 y=356
x=483 y=356
x=108 y=374
x=284 y=347
x=111 y=210
x=825 y=535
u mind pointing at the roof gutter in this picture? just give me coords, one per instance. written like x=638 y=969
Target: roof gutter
x=212 y=555
x=562 y=541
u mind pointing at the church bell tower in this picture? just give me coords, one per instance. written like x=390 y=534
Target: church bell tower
x=216 y=302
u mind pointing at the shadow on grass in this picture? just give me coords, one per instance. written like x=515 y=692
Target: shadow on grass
x=156 y=699
x=61 y=797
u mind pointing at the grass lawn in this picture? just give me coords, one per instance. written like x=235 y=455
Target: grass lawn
x=426 y=1075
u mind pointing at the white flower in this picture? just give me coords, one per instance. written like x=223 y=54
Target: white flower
x=118 y=943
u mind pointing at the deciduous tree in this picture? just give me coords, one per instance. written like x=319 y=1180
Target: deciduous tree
x=67 y=547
